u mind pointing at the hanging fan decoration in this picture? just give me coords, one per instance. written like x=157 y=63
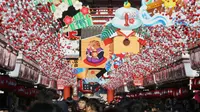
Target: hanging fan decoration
x=71 y=14
x=108 y=31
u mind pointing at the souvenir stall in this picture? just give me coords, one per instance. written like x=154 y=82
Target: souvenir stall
x=194 y=57
x=7 y=96
x=8 y=57
x=161 y=93
x=178 y=73
x=10 y=86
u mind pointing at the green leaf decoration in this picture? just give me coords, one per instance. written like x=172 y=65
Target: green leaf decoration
x=53 y=8
x=108 y=31
x=70 y=2
x=126 y=2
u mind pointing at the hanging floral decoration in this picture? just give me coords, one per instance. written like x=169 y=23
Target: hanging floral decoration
x=33 y=30
x=71 y=13
x=162 y=47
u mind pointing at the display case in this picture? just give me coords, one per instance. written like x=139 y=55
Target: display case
x=181 y=69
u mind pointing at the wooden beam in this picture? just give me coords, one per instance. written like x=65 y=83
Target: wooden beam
x=109 y=3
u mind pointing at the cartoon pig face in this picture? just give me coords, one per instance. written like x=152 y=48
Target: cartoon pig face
x=126 y=18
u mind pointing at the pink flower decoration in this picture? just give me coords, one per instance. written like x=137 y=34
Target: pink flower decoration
x=85 y=10
x=68 y=20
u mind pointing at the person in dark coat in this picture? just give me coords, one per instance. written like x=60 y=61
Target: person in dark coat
x=63 y=105
x=45 y=107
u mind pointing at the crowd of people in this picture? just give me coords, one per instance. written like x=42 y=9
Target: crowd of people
x=84 y=104
x=94 y=105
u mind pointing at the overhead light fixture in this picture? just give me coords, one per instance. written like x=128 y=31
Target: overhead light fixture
x=141 y=87
x=1 y=92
